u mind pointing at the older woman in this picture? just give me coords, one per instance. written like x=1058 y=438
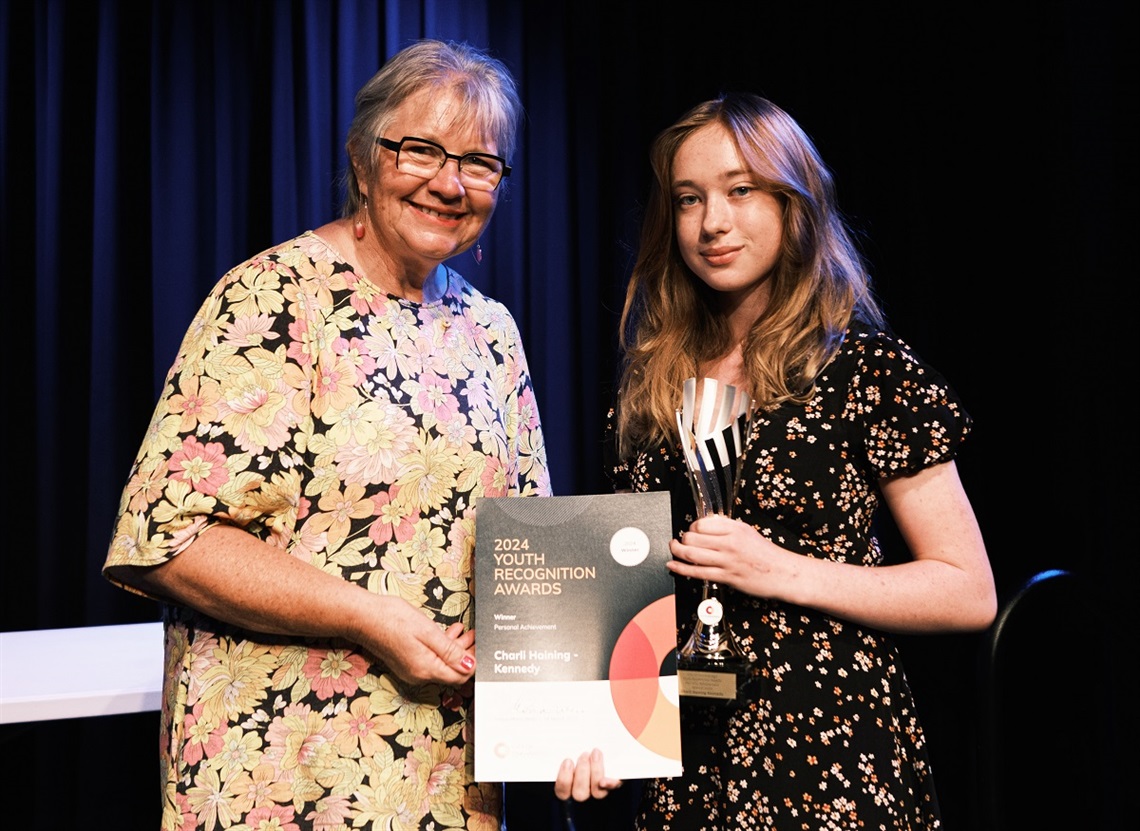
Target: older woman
x=302 y=503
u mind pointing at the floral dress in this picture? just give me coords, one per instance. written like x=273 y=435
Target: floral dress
x=357 y=431
x=826 y=735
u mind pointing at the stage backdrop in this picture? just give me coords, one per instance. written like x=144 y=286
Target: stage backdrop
x=987 y=160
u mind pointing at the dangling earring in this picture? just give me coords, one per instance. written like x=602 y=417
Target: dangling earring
x=358 y=225
x=478 y=254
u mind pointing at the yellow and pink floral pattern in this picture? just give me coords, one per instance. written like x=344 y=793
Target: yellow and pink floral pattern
x=355 y=430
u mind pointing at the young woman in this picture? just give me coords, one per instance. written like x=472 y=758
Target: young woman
x=748 y=275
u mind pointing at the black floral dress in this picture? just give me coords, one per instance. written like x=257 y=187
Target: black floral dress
x=826 y=736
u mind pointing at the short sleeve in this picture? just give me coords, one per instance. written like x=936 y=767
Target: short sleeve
x=221 y=447
x=912 y=416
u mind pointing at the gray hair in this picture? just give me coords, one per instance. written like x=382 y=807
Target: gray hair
x=484 y=85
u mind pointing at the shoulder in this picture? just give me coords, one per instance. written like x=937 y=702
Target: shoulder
x=889 y=377
x=875 y=347
x=486 y=309
x=875 y=364
x=863 y=339
x=304 y=250
x=458 y=287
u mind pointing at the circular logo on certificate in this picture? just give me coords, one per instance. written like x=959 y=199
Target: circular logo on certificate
x=629 y=546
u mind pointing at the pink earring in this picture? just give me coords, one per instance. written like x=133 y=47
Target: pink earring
x=358 y=225
x=478 y=254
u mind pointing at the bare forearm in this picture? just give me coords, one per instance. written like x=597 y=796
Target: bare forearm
x=920 y=596
x=946 y=586
x=232 y=576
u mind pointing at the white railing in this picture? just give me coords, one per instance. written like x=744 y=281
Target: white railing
x=86 y=671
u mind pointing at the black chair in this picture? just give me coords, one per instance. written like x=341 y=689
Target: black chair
x=1050 y=751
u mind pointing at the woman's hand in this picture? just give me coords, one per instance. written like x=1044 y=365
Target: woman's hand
x=731 y=553
x=416 y=649
x=584 y=779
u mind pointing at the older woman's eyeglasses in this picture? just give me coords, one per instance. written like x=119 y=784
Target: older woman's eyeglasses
x=420 y=157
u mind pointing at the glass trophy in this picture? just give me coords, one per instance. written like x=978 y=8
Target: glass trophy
x=714 y=436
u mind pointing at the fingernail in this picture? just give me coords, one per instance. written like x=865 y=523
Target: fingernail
x=467 y=662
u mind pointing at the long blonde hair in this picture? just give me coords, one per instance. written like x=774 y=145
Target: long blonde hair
x=669 y=324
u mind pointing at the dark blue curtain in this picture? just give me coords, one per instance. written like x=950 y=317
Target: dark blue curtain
x=985 y=157
x=149 y=147
x=166 y=143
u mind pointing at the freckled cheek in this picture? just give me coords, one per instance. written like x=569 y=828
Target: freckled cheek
x=688 y=230
x=688 y=236
x=696 y=265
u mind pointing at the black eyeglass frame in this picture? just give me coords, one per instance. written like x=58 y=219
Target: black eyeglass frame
x=396 y=146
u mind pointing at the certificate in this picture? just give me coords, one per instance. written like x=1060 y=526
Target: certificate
x=576 y=636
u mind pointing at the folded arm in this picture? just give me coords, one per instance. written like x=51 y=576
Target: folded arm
x=946 y=586
x=234 y=577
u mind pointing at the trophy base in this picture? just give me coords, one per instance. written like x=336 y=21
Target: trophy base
x=711 y=664
x=717 y=680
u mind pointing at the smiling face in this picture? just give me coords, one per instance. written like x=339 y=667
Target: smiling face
x=417 y=223
x=729 y=230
